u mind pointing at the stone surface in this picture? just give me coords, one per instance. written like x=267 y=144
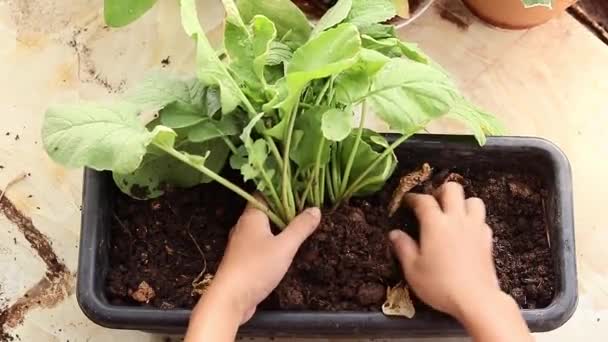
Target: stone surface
x=550 y=81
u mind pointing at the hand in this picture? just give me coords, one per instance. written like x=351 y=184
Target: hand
x=452 y=265
x=255 y=260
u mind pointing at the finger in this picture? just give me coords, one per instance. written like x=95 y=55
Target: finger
x=451 y=198
x=248 y=314
x=476 y=208
x=406 y=250
x=424 y=206
x=254 y=218
x=299 y=229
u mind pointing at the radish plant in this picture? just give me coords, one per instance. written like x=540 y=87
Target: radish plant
x=278 y=106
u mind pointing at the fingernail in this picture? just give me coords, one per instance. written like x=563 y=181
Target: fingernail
x=314 y=212
x=394 y=235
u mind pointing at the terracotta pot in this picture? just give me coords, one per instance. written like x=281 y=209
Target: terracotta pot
x=512 y=14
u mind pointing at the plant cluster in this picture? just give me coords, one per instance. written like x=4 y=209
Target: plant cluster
x=277 y=102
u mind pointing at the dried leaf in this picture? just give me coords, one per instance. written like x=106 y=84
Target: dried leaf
x=144 y=293
x=200 y=286
x=407 y=183
x=456 y=178
x=398 y=302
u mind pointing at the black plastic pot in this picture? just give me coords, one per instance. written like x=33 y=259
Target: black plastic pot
x=510 y=153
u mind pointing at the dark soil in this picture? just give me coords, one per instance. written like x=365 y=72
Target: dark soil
x=345 y=265
x=317 y=8
x=156 y=242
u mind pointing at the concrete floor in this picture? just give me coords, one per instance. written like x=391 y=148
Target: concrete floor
x=550 y=81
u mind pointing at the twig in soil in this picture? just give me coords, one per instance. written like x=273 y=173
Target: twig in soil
x=173 y=211
x=197 y=247
x=546 y=222
x=198 y=285
x=12 y=182
x=407 y=183
x=122 y=225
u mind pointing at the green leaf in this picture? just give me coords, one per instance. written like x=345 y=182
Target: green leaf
x=253 y=160
x=534 y=3
x=333 y=16
x=212 y=101
x=394 y=47
x=304 y=150
x=119 y=13
x=366 y=12
x=246 y=134
x=481 y=123
x=355 y=82
x=229 y=125
x=158 y=89
x=328 y=54
x=371 y=146
x=210 y=70
x=233 y=16
x=292 y=25
x=159 y=169
x=407 y=95
x=413 y=52
x=163 y=136
x=99 y=136
x=379 y=31
x=264 y=33
x=248 y=49
x=179 y=115
x=278 y=53
x=336 y=124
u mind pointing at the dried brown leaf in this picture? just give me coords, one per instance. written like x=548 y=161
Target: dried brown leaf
x=398 y=302
x=144 y=293
x=407 y=183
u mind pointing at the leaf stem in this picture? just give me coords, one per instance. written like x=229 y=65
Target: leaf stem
x=274 y=150
x=273 y=191
x=223 y=181
x=356 y=184
x=335 y=170
x=330 y=186
x=286 y=184
x=307 y=190
x=322 y=186
x=316 y=177
x=353 y=153
x=323 y=92
x=230 y=144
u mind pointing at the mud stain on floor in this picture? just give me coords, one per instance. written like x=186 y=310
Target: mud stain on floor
x=56 y=285
x=38 y=22
x=87 y=71
x=48 y=16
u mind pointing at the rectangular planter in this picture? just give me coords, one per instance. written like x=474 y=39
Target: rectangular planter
x=441 y=151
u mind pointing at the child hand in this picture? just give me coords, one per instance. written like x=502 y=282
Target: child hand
x=452 y=264
x=255 y=260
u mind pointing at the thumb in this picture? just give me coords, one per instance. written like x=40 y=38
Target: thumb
x=406 y=249
x=300 y=229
